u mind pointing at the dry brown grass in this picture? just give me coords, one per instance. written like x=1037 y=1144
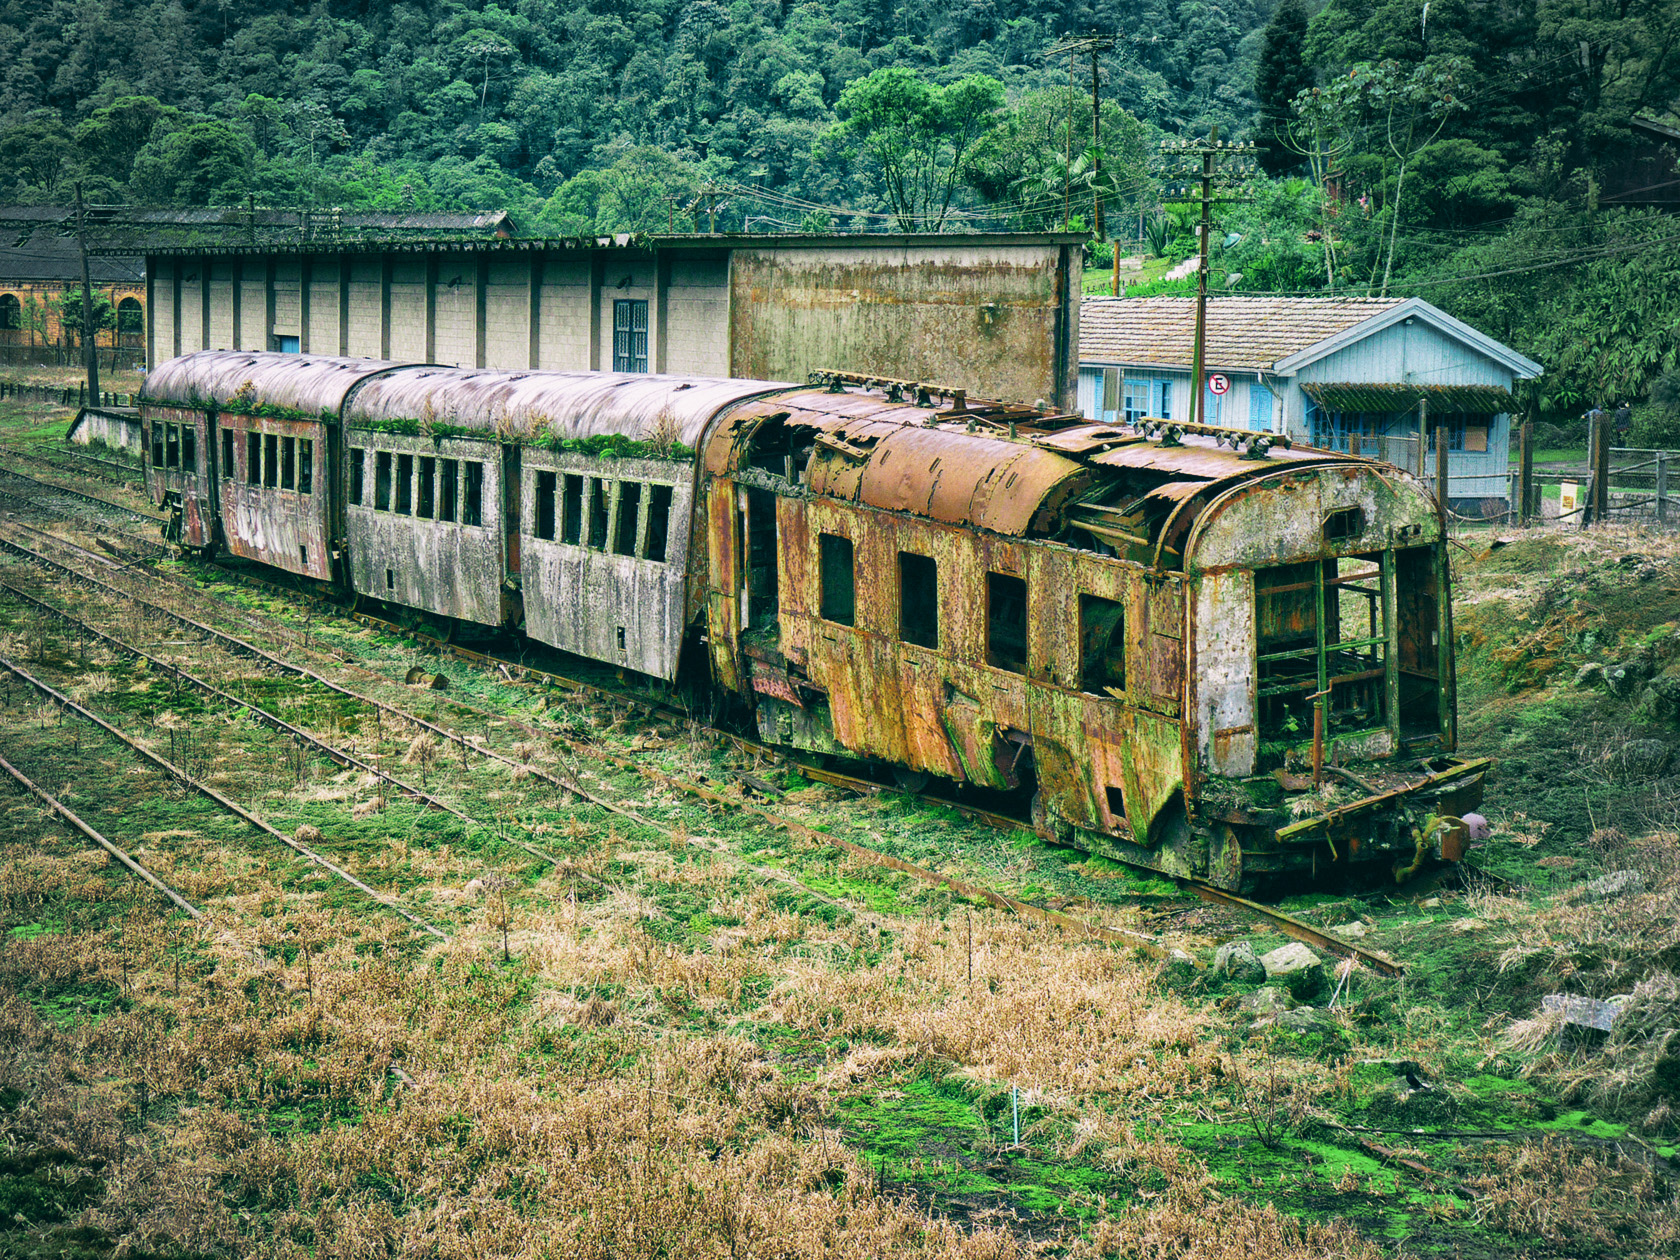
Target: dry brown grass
x=1557 y=1191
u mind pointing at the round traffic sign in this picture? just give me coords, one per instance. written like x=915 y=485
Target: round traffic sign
x=1219 y=383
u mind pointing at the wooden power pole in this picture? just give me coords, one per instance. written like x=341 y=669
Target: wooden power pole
x=90 y=348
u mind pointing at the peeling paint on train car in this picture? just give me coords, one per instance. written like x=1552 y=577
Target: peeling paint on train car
x=450 y=568
x=170 y=478
x=620 y=597
x=263 y=517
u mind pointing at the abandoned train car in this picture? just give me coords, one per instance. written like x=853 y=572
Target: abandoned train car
x=1155 y=629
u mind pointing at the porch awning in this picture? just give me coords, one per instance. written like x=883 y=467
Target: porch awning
x=1471 y=400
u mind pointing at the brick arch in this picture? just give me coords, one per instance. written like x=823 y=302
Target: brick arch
x=11 y=313
x=131 y=315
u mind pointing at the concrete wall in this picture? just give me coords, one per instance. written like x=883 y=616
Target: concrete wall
x=1001 y=322
x=998 y=318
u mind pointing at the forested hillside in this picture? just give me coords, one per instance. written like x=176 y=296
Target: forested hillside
x=1458 y=151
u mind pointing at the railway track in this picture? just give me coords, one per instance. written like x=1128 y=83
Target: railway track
x=52 y=487
x=131 y=473
x=516 y=670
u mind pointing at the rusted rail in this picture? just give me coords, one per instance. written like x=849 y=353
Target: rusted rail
x=24 y=452
x=55 y=488
x=92 y=833
x=1289 y=925
x=203 y=789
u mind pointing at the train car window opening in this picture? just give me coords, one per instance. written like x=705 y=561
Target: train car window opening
x=449 y=488
x=599 y=507
x=629 y=520
x=763 y=589
x=253 y=459
x=288 y=464
x=226 y=470
x=306 y=466
x=382 y=481
x=189 y=448
x=1102 y=645
x=472 y=509
x=271 y=460
x=1417 y=627
x=1115 y=799
x=405 y=484
x=1344 y=523
x=1006 y=622
x=357 y=455
x=157 y=444
x=1320 y=627
x=172 y=445
x=837 y=600
x=545 y=505
x=571 y=510
x=425 y=495
x=390 y=579
x=918 y=599
x=630 y=336
x=659 y=523
x=303 y=555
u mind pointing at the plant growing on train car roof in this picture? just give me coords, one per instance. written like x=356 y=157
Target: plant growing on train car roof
x=664 y=433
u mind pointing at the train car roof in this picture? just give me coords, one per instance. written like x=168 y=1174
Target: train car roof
x=297 y=382
x=531 y=405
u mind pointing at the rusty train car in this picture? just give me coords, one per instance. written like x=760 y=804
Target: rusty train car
x=1155 y=630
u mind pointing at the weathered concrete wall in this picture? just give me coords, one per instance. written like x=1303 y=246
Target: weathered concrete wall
x=997 y=321
x=366 y=308
x=121 y=431
x=507 y=314
x=455 y=302
x=696 y=309
x=408 y=309
x=564 y=313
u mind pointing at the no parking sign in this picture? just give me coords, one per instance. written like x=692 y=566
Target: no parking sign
x=1218 y=383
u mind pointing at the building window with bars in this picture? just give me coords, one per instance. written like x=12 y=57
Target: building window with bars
x=630 y=336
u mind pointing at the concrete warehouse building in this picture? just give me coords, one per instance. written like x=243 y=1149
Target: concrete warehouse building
x=1342 y=373
x=996 y=314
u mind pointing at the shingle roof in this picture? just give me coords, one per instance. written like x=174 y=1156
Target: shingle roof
x=47 y=256
x=1242 y=331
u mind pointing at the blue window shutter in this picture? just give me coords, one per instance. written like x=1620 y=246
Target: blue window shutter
x=1259 y=408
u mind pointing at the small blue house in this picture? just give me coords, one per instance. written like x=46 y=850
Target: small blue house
x=1343 y=373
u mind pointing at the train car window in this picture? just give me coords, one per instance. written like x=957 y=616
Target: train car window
x=271 y=460
x=425 y=495
x=357 y=455
x=838 y=578
x=571 y=510
x=449 y=489
x=1102 y=645
x=306 y=466
x=189 y=448
x=382 y=481
x=1006 y=622
x=545 y=505
x=629 y=518
x=598 y=508
x=253 y=459
x=172 y=444
x=472 y=509
x=659 y=522
x=918 y=599
x=405 y=484
x=227 y=454
x=288 y=463
x=157 y=444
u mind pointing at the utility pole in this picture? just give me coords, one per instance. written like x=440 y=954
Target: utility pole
x=1211 y=188
x=1095 y=45
x=708 y=195
x=90 y=351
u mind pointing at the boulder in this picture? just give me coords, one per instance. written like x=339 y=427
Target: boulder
x=1267 y=1001
x=1660 y=700
x=1615 y=884
x=1590 y=674
x=1646 y=758
x=1626 y=678
x=1299 y=969
x=1236 y=960
x=1351 y=931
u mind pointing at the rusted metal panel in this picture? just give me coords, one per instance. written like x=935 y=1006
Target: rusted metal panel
x=624 y=609
x=1223 y=684
x=447 y=568
x=1201 y=456
x=723 y=604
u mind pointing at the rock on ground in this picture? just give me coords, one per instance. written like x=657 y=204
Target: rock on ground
x=1238 y=961
x=1615 y=884
x=1300 y=970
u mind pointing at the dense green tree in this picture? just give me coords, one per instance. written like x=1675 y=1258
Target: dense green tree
x=1282 y=75
x=207 y=163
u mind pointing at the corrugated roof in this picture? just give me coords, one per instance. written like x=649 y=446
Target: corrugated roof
x=300 y=382
x=1473 y=400
x=1242 y=331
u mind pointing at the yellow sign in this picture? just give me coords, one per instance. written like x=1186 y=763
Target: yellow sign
x=1569 y=498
